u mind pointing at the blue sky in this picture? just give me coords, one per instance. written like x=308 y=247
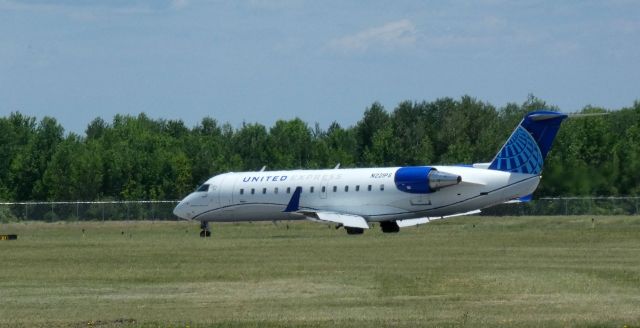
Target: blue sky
x=322 y=61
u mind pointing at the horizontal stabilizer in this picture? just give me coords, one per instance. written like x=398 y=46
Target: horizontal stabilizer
x=346 y=220
x=481 y=165
x=414 y=222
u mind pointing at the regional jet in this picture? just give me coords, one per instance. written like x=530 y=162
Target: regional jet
x=394 y=197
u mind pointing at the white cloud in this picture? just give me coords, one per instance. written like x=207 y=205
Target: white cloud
x=400 y=33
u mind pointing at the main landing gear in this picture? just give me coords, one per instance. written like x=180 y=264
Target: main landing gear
x=389 y=226
x=205 y=232
x=350 y=230
x=386 y=226
x=354 y=231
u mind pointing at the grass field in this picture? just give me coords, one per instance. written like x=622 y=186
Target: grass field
x=461 y=272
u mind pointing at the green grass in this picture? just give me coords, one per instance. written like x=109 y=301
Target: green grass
x=461 y=272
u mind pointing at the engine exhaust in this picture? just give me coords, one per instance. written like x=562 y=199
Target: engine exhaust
x=438 y=180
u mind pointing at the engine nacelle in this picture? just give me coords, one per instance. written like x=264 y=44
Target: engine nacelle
x=423 y=179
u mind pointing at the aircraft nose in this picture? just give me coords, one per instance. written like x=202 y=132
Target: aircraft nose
x=181 y=210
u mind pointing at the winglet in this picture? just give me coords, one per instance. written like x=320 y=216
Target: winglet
x=525 y=199
x=294 y=203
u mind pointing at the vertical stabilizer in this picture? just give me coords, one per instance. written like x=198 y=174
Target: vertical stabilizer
x=529 y=144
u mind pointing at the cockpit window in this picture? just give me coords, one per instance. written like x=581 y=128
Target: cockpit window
x=204 y=187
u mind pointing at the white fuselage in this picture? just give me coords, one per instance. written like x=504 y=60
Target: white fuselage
x=368 y=192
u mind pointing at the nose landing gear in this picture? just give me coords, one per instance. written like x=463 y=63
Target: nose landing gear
x=205 y=231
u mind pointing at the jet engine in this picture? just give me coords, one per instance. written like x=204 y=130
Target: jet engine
x=439 y=179
x=423 y=179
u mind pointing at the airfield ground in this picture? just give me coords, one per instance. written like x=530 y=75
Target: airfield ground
x=461 y=272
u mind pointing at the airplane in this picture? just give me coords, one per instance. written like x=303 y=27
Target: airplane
x=393 y=197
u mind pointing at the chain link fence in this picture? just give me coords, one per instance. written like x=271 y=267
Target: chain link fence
x=163 y=210
x=569 y=206
x=87 y=211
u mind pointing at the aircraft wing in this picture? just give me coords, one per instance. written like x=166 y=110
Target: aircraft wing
x=347 y=220
x=414 y=222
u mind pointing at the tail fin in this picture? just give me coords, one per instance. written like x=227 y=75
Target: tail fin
x=529 y=144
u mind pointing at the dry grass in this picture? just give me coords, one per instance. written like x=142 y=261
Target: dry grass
x=558 y=271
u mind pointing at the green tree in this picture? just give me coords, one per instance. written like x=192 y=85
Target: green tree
x=16 y=132
x=75 y=171
x=289 y=144
x=30 y=164
x=136 y=157
x=251 y=145
x=411 y=143
x=374 y=119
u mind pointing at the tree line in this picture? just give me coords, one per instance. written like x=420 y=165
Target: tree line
x=139 y=158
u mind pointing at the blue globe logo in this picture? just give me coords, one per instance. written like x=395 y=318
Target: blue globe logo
x=521 y=154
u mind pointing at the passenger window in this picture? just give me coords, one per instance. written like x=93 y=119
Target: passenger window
x=288 y=190
x=253 y=191
x=311 y=189
x=264 y=191
x=381 y=187
x=275 y=190
x=241 y=191
x=357 y=187
x=369 y=188
x=204 y=187
x=335 y=188
x=346 y=188
x=324 y=189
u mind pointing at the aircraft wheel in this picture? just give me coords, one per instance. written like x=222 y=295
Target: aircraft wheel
x=389 y=226
x=205 y=232
x=354 y=231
